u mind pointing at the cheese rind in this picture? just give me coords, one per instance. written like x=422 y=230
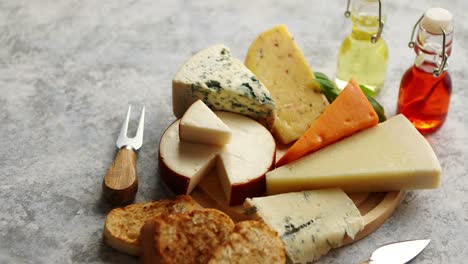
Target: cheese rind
x=278 y=62
x=349 y=113
x=224 y=84
x=183 y=164
x=200 y=125
x=241 y=164
x=310 y=223
x=391 y=156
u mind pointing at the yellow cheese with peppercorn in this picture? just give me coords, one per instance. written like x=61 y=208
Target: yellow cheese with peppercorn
x=279 y=64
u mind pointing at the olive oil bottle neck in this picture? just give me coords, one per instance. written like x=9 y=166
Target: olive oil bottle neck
x=366 y=15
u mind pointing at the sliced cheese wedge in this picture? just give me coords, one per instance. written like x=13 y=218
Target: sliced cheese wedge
x=278 y=62
x=310 y=223
x=200 y=125
x=241 y=164
x=348 y=114
x=224 y=84
x=391 y=156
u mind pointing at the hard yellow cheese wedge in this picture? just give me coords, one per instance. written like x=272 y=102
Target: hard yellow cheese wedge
x=278 y=62
x=388 y=157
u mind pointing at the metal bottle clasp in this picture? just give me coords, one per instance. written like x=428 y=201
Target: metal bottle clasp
x=441 y=67
x=347 y=13
x=375 y=37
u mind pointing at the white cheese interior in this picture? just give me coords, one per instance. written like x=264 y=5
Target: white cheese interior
x=200 y=125
x=310 y=223
x=187 y=159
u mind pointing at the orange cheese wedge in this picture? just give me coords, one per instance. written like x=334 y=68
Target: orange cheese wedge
x=348 y=114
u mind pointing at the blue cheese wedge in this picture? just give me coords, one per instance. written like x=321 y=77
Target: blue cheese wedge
x=310 y=223
x=223 y=83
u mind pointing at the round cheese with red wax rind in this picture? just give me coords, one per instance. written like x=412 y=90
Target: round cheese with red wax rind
x=241 y=164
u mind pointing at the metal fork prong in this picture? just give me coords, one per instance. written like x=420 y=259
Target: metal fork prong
x=123 y=131
x=141 y=126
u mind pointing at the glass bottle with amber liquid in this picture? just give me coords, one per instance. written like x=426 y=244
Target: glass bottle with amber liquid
x=363 y=55
x=425 y=88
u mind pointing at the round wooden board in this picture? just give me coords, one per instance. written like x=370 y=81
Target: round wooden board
x=375 y=208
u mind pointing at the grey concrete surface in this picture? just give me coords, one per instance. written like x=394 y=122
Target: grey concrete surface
x=68 y=69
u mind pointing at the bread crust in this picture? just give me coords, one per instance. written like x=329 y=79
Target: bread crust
x=123 y=224
x=250 y=242
x=190 y=237
x=147 y=243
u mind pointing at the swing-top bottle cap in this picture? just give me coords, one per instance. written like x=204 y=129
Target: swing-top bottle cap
x=437 y=18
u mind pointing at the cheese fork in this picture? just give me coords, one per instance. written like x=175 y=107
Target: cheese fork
x=120 y=183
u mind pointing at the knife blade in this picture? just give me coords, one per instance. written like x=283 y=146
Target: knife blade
x=398 y=252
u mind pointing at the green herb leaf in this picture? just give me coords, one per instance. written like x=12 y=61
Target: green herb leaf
x=366 y=91
x=378 y=108
x=328 y=87
x=330 y=91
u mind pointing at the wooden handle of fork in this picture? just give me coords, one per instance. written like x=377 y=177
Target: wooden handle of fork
x=120 y=183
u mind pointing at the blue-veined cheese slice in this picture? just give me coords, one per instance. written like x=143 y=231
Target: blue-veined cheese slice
x=310 y=223
x=391 y=156
x=224 y=84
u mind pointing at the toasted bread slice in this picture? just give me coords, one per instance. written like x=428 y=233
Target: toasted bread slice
x=184 y=238
x=122 y=227
x=251 y=242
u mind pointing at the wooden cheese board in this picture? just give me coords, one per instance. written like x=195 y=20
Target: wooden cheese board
x=375 y=208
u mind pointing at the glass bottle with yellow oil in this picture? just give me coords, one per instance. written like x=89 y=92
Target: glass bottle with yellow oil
x=363 y=55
